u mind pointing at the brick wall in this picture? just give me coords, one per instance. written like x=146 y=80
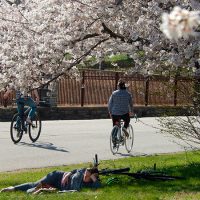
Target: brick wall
x=81 y=113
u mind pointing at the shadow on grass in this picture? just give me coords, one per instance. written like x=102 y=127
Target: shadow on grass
x=48 y=146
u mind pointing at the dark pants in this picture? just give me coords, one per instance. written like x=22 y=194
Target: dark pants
x=116 y=119
x=52 y=179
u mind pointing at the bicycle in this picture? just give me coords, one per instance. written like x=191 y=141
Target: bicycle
x=119 y=138
x=149 y=174
x=143 y=174
x=19 y=126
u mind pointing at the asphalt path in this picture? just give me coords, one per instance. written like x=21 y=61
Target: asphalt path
x=77 y=141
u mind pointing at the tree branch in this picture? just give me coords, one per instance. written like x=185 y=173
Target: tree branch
x=77 y=61
x=121 y=37
x=85 y=37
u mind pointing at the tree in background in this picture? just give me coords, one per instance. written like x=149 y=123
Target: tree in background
x=41 y=40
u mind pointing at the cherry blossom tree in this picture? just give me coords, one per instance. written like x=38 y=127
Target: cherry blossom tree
x=41 y=40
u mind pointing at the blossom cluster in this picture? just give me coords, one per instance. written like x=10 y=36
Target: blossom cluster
x=180 y=23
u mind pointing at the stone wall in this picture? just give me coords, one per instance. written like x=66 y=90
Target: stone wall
x=81 y=113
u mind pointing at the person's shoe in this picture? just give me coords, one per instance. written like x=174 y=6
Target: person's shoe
x=18 y=133
x=25 y=129
x=125 y=132
x=114 y=145
x=8 y=189
x=122 y=141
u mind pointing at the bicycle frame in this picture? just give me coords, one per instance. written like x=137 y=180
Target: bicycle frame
x=19 y=125
x=27 y=110
x=120 y=125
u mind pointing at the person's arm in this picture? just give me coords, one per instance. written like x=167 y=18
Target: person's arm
x=131 y=105
x=94 y=177
x=65 y=179
x=36 y=95
x=6 y=96
x=66 y=175
x=110 y=104
x=95 y=181
x=7 y=93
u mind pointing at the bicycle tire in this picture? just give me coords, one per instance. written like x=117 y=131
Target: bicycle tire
x=130 y=139
x=163 y=177
x=114 y=144
x=35 y=128
x=152 y=177
x=16 y=131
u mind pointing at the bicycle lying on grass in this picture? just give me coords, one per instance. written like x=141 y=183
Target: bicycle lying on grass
x=119 y=138
x=19 y=126
x=151 y=174
x=143 y=174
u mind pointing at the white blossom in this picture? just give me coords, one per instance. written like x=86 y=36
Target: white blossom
x=180 y=23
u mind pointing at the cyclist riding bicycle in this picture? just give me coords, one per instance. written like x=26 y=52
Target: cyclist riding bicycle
x=120 y=105
x=23 y=98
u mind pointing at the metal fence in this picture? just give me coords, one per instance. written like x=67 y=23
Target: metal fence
x=95 y=87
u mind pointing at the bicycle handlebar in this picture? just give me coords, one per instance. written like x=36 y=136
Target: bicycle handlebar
x=14 y=100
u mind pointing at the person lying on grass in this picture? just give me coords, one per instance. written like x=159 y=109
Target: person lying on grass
x=62 y=181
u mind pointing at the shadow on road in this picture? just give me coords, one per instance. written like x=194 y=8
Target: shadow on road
x=48 y=146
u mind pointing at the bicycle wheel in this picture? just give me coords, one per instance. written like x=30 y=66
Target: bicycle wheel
x=163 y=177
x=114 y=144
x=35 y=128
x=16 y=131
x=158 y=176
x=149 y=176
x=129 y=140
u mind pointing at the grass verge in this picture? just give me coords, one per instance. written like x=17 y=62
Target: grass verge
x=180 y=164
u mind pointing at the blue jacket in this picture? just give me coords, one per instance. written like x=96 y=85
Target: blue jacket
x=120 y=102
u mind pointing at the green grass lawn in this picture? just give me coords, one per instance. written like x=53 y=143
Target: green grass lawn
x=180 y=164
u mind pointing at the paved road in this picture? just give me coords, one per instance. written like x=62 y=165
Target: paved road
x=76 y=141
